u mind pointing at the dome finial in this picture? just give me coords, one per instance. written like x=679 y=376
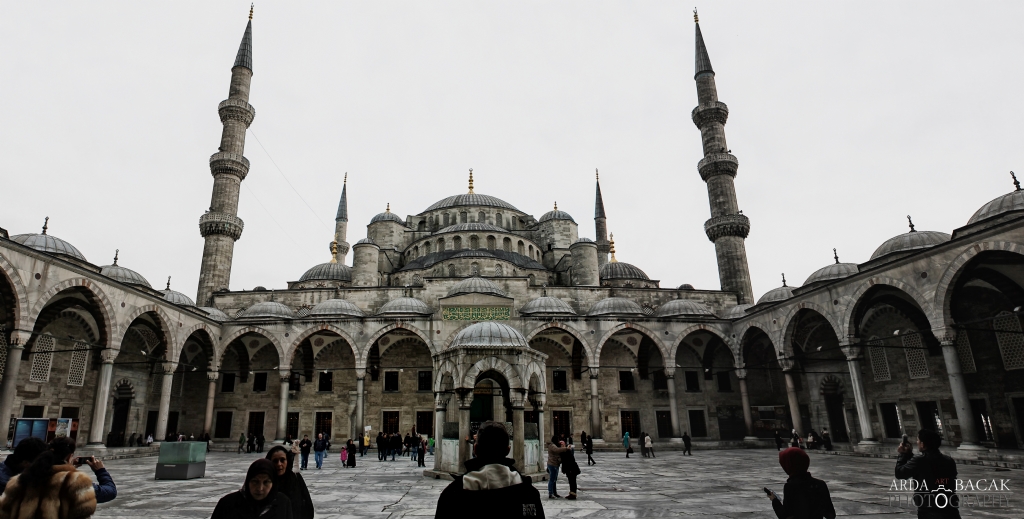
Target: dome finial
x=388 y=210
x=556 y=205
x=695 y=19
x=471 y=181
x=46 y=224
x=168 y=283
x=1016 y=184
x=835 y=255
x=611 y=247
x=783 y=279
x=251 y=6
x=116 y=252
x=911 y=224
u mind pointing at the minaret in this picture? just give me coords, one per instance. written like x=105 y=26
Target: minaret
x=727 y=227
x=221 y=226
x=600 y=225
x=341 y=226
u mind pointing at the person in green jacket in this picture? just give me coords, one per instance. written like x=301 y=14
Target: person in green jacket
x=430 y=445
x=625 y=442
x=241 y=442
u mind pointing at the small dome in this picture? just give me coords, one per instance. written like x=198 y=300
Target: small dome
x=735 y=312
x=686 y=286
x=268 y=309
x=328 y=271
x=466 y=227
x=123 y=275
x=555 y=215
x=48 y=244
x=489 y=333
x=832 y=272
x=471 y=199
x=619 y=270
x=214 y=313
x=260 y=288
x=387 y=216
x=366 y=241
x=336 y=307
x=1012 y=201
x=476 y=285
x=681 y=307
x=909 y=241
x=616 y=306
x=177 y=298
x=776 y=295
x=585 y=240
x=547 y=306
x=405 y=305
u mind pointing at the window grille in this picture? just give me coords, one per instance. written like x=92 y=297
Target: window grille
x=963 y=350
x=79 y=359
x=879 y=362
x=917 y=363
x=42 y=359
x=3 y=350
x=1010 y=339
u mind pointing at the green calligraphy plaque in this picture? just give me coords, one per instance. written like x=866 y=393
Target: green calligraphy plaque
x=476 y=313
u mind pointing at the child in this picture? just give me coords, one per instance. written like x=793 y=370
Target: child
x=344 y=457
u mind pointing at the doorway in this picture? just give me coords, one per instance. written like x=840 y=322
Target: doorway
x=928 y=416
x=664 y=419
x=561 y=423
x=322 y=424
x=293 y=425
x=836 y=418
x=630 y=423
x=698 y=424
x=256 y=420
x=223 y=428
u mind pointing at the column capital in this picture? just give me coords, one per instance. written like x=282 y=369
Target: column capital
x=787 y=364
x=212 y=376
x=945 y=335
x=593 y=372
x=109 y=355
x=360 y=372
x=465 y=397
x=670 y=372
x=853 y=351
x=19 y=338
x=517 y=397
x=168 y=367
x=741 y=373
x=539 y=399
x=441 y=400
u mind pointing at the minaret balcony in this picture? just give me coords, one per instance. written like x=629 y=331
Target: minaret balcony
x=229 y=163
x=727 y=225
x=236 y=110
x=704 y=114
x=221 y=223
x=718 y=164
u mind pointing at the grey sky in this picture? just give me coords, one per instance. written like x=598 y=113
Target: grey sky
x=845 y=118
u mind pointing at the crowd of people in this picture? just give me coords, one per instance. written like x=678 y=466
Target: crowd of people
x=814 y=440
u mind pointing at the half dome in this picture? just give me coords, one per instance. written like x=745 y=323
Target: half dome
x=1012 y=201
x=214 y=313
x=123 y=275
x=471 y=199
x=833 y=272
x=328 y=272
x=616 y=306
x=476 y=285
x=620 y=270
x=333 y=307
x=735 y=312
x=776 y=294
x=48 y=244
x=684 y=307
x=910 y=241
x=547 y=306
x=405 y=306
x=271 y=309
x=489 y=333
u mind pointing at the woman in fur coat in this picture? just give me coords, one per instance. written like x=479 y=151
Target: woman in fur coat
x=50 y=488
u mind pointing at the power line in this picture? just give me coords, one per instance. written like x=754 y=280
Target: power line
x=279 y=170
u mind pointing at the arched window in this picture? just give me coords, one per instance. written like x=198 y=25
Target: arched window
x=498 y=220
x=451 y=271
x=1009 y=339
x=457 y=243
x=426 y=247
x=416 y=251
x=522 y=248
x=422 y=226
x=481 y=217
x=474 y=269
x=533 y=280
x=464 y=217
x=531 y=251
x=499 y=271
x=440 y=245
x=446 y=219
x=492 y=243
x=506 y=244
x=474 y=242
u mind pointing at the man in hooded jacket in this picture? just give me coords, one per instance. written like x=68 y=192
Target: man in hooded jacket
x=805 y=497
x=491 y=483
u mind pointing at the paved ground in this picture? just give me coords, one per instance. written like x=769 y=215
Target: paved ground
x=713 y=484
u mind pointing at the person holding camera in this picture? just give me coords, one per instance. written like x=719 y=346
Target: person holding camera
x=105 y=489
x=935 y=473
x=19 y=460
x=806 y=497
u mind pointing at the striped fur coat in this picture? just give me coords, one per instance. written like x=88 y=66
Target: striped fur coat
x=69 y=495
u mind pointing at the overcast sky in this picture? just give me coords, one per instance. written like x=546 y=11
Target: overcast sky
x=845 y=117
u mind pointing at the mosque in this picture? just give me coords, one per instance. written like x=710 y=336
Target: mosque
x=475 y=310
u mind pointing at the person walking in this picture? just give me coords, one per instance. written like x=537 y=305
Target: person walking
x=260 y=442
x=687 y=444
x=287 y=482
x=570 y=468
x=935 y=474
x=794 y=439
x=826 y=439
x=491 y=484
x=366 y=444
x=304 y=446
x=805 y=496
x=588 y=446
x=625 y=443
x=430 y=445
x=257 y=499
x=642 y=440
x=50 y=487
x=380 y=446
x=421 y=453
x=343 y=455
x=778 y=440
x=320 y=449
x=250 y=443
x=555 y=450
x=396 y=445
x=650 y=445
x=351 y=447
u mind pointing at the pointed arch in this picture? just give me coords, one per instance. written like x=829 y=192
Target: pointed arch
x=364 y=355
x=629 y=326
x=791 y=314
x=742 y=342
x=944 y=289
x=201 y=327
x=105 y=309
x=850 y=303
x=223 y=346
x=591 y=360
x=19 y=289
x=449 y=369
x=493 y=364
x=535 y=370
x=319 y=327
x=163 y=320
x=714 y=330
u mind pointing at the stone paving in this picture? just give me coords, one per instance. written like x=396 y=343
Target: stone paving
x=712 y=484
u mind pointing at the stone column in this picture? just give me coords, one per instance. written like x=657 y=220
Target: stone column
x=794 y=400
x=282 y=411
x=595 y=406
x=360 y=403
x=748 y=419
x=440 y=413
x=540 y=400
x=102 y=396
x=964 y=414
x=518 y=436
x=211 y=393
x=465 y=397
x=9 y=386
x=673 y=408
x=165 y=401
x=853 y=352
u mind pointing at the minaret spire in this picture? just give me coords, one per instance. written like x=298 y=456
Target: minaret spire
x=600 y=224
x=221 y=226
x=340 y=247
x=728 y=227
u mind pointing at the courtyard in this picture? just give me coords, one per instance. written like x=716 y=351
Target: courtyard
x=714 y=483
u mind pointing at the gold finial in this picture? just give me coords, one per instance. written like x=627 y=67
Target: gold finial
x=250 y=11
x=611 y=247
x=46 y=224
x=116 y=252
x=168 y=282
x=346 y=178
x=1016 y=184
x=334 y=250
x=556 y=206
x=471 y=181
x=695 y=20
x=597 y=174
x=388 y=210
x=836 y=255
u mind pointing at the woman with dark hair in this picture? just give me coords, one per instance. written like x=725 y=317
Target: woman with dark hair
x=258 y=497
x=351 y=448
x=50 y=486
x=289 y=483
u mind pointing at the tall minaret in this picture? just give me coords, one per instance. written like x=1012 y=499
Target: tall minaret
x=341 y=225
x=221 y=226
x=600 y=225
x=727 y=227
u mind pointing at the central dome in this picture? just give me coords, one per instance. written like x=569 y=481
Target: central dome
x=328 y=271
x=471 y=199
x=489 y=333
x=476 y=285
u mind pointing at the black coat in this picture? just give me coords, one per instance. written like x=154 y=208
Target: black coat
x=517 y=501
x=305 y=445
x=806 y=498
x=237 y=506
x=321 y=445
x=931 y=468
x=569 y=465
x=294 y=487
x=589 y=446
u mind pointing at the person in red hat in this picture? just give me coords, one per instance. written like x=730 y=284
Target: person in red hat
x=805 y=497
